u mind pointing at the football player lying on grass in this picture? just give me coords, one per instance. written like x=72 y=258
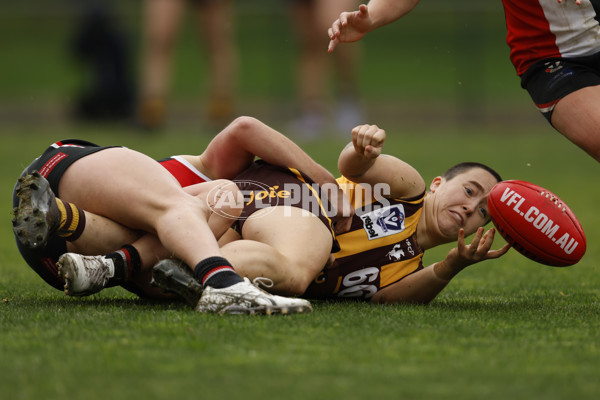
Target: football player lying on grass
x=395 y=221
x=380 y=257
x=119 y=184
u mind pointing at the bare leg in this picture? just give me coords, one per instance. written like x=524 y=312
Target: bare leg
x=102 y=235
x=282 y=245
x=313 y=61
x=311 y=19
x=576 y=116
x=215 y=19
x=129 y=187
x=161 y=24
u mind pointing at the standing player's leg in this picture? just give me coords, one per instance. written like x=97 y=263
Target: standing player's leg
x=161 y=22
x=217 y=32
x=576 y=116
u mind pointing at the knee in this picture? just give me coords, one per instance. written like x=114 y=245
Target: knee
x=293 y=286
x=297 y=280
x=245 y=124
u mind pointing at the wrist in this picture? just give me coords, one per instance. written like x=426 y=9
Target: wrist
x=444 y=271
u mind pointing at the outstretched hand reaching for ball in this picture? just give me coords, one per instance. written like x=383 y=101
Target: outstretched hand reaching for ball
x=464 y=254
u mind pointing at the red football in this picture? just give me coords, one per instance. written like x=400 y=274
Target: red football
x=536 y=223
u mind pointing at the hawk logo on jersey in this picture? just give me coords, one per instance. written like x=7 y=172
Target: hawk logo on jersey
x=396 y=253
x=384 y=222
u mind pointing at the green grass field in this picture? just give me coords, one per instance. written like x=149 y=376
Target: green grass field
x=504 y=329
x=507 y=328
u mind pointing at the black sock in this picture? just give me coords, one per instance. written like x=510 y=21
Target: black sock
x=216 y=272
x=72 y=220
x=127 y=261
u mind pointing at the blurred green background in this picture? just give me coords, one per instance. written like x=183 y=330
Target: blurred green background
x=444 y=64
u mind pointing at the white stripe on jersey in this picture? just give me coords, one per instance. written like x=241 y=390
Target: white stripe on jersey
x=58 y=146
x=577 y=32
x=191 y=168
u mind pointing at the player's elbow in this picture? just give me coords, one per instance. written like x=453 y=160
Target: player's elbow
x=244 y=124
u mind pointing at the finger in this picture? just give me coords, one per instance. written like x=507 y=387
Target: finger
x=497 y=253
x=343 y=19
x=355 y=132
x=361 y=136
x=485 y=244
x=488 y=238
x=476 y=239
x=332 y=44
x=378 y=137
x=371 y=151
x=363 y=9
x=370 y=131
x=357 y=135
x=334 y=30
x=461 y=238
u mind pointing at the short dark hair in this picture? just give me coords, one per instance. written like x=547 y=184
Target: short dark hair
x=466 y=166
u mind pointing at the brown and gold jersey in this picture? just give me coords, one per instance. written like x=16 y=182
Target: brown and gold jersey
x=379 y=249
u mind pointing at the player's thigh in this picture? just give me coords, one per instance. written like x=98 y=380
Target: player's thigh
x=300 y=236
x=161 y=21
x=123 y=185
x=223 y=201
x=328 y=11
x=577 y=117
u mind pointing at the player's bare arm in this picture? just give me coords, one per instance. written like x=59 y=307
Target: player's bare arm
x=362 y=161
x=352 y=26
x=423 y=286
x=234 y=149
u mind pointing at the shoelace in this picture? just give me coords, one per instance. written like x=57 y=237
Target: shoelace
x=262 y=281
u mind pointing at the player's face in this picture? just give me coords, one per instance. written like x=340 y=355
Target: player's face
x=461 y=202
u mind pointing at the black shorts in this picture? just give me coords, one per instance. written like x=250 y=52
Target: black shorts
x=264 y=185
x=549 y=80
x=52 y=164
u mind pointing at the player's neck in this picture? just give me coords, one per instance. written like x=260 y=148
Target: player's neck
x=428 y=234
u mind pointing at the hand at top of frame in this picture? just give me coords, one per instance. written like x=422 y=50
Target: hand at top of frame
x=351 y=26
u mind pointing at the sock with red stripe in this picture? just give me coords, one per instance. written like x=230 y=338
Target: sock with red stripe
x=216 y=272
x=127 y=262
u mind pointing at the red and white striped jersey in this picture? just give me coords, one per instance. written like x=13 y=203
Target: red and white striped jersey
x=185 y=173
x=540 y=29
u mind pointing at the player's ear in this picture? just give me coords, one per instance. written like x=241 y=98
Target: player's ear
x=435 y=184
